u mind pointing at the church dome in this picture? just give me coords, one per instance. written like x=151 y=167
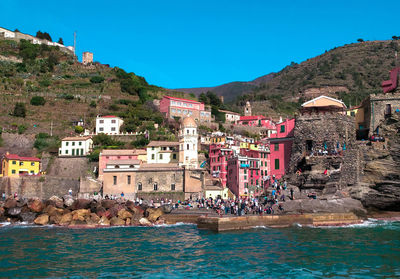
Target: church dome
x=189 y=122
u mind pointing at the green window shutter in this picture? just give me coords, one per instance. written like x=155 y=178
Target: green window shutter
x=282 y=128
x=276 y=146
x=277 y=164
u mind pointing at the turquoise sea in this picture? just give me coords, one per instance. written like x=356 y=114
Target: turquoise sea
x=371 y=250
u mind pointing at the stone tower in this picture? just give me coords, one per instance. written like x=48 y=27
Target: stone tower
x=247 y=109
x=188 y=144
x=87 y=58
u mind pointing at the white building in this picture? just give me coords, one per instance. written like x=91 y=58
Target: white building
x=108 y=124
x=6 y=33
x=230 y=116
x=188 y=144
x=75 y=146
x=162 y=152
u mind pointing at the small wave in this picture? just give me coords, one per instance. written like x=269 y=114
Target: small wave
x=369 y=223
x=172 y=225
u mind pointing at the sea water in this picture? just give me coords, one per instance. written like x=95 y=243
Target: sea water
x=370 y=250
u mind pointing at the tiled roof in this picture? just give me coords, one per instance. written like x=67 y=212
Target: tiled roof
x=181 y=99
x=252 y=117
x=108 y=116
x=76 y=138
x=19 y=158
x=118 y=152
x=163 y=143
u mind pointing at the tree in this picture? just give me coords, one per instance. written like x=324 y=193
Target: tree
x=79 y=129
x=360 y=40
x=37 y=101
x=60 y=41
x=96 y=79
x=16 y=30
x=43 y=35
x=395 y=38
x=19 y=110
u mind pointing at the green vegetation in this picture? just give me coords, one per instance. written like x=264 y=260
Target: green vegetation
x=43 y=35
x=37 y=101
x=44 y=142
x=19 y=110
x=97 y=79
x=21 y=129
x=140 y=142
x=79 y=129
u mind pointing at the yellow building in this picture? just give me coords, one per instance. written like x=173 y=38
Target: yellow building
x=14 y=165
x=218 y=139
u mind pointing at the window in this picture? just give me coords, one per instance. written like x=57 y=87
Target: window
x=161 y=156
x=21 y=163
x=113 y=129
x=115 y=180
x=66 y=151
x=173 y=187
x=73 y=143
x=113 y=121
x=101 y=121
x=277 y=164
x=174 y=156
x=187 y=146
x=282 y=128
x=352 y=113
x=73 y=152
x=101 y=129
x=32 y=172
x=80 y=143
x=139 y=186
x=14 y=162
x=155 y=186
x=276 y=146
x=67 y=143
x=152 y=156
x=129 y=179
x=116 y=166
x=13 y=171
x=32 y=163
x=81 y=151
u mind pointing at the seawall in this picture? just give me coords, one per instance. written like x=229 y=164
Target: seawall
x=274 y=221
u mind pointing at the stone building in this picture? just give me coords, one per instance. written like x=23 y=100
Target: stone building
x=87 y=58
x=324 y=153
x=247 y=109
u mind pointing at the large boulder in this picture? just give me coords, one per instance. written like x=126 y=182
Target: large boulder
x=115 y=209
x=153 y=213
x=14 y=212
x=42 y=220
x=36 y=205
x=144 y=222
x=68 y=200
x=124 y=214
x=94 y=219
x=108 y=203
x=104 y=221
x=10 y=203
x=66 y=219
x=57 y=202
x=28 y=217
x=166 y=208
x=80 y=214
x=115 y=221
x=51 y=210
x=101 y=211
x=80 y=204
x=55 y=219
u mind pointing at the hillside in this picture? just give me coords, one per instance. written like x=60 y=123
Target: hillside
x=350 y=72
x=70 y=91
x=230 y=91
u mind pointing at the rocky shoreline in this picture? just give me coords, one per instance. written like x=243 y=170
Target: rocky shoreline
x=80 y=213
x=83 y=213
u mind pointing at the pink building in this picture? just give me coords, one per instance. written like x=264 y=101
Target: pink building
x=257 y=121
x=281 y=147
x=243 y=175
x=122 y=155
x=177 y=107
x=219 y=155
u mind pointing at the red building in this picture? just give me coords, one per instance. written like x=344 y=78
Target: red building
x=219 y=155
x=281 y=147
x=177 y=107
x=243 y=175
x=257 y=121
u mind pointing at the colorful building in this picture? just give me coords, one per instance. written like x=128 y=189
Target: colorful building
x=163 y=152
x=114 y=155
x=177 y=107
x=230 y=116
x=219 y=155
x=257 y=121
x=280 y=145
x=14 y=165
x=243 y=175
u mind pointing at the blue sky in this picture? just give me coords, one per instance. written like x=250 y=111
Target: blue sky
x=177 y=44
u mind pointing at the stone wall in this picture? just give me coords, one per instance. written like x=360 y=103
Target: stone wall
x=42 y=187
x=375 y=108
x=325 y=90
x=312 y=132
